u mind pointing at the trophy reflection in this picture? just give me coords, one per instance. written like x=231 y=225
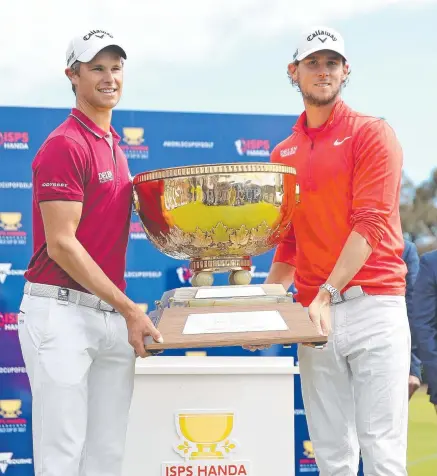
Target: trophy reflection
x=208 y=432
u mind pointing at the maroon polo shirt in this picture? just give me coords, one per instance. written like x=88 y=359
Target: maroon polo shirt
x=76 y=163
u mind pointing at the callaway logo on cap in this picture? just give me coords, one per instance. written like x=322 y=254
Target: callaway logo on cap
x=317 y=39
x=84 y=47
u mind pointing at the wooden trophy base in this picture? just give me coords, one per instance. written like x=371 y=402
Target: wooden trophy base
x=233 y=315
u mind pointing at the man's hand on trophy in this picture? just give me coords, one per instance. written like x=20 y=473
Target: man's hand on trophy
x=254 y=348
x=139 y=326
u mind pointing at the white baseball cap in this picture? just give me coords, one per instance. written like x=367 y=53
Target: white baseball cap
x=319 y=38
x=84 y=47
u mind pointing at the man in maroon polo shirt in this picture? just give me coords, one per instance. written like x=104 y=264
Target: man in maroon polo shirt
x=77 y=328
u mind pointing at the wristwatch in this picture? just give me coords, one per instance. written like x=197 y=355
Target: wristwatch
x=335 y=294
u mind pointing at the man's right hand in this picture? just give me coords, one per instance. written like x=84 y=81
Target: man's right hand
x=139 y=326
x=413 y=385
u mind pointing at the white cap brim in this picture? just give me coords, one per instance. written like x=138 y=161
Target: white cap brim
x=89 y=54
x=318 y=48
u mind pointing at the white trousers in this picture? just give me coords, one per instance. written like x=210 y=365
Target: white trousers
x=355 y=390
x=81 y=371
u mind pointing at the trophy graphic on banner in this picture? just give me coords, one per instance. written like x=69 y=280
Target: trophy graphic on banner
x=218 y=217
x=209 y=433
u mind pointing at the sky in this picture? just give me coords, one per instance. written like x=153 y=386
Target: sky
x=231 y=56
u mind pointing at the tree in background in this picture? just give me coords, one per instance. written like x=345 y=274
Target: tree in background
x=418 y=209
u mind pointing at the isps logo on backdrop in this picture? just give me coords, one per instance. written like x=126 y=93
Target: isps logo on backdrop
x=206 y=445
x=307 y=463
x=132 y=143
x=14 y=140
x=136 y=229
x=253 y=147
x=11 y=232
x=8 y=321
x=10 y=417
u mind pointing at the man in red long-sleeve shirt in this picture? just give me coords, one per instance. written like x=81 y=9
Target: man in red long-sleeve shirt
x=344 y=255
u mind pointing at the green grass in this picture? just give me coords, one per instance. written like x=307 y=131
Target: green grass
x=422 y=436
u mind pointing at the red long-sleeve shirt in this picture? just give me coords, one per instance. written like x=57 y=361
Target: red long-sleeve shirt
x=349 y=177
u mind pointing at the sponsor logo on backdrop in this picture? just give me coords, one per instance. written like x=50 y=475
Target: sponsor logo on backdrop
x=8 y=321
x=253 y=147
x=136 y=231
x=14 y=140
x=307 y=463
x=185 y=274
x=16 y=185
x=7 y=459
x=6 y=270
x=143 y=274
x=132 y=143
x=187 y=144
x=10 y=417
x=258 y=274
x=12 y=370
x=206 y=444
x=10 y=232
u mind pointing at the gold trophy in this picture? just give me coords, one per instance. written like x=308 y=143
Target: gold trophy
x=10 y=221
x=10 y=408
x=218 y=217
x=208 y=432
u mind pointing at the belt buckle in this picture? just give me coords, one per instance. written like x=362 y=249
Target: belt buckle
x=63 y=295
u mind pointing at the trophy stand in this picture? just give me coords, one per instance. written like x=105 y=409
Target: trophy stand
x=204 y=269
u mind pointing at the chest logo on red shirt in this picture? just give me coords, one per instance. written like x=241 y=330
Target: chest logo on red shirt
x=339 y=142
x=105 y=176
x=288 y=152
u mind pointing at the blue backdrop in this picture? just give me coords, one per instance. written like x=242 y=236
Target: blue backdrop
x=150 y=140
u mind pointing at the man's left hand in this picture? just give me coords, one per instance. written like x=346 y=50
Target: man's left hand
x=320 y=312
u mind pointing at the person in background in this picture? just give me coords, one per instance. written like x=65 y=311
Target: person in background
x=411 y=258
x=424 y=322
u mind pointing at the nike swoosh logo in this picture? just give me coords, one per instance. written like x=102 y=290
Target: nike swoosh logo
x=337 y=142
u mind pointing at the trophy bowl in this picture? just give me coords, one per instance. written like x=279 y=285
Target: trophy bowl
x=217 y=216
